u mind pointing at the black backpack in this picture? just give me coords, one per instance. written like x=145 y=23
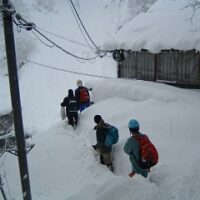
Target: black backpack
x=73 y=106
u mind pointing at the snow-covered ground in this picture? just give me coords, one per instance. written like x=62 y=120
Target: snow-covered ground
x=62 y=165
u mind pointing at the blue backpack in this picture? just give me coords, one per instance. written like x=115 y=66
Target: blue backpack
x=112 y=136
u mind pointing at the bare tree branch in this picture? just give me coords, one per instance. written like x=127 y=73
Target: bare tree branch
x=195 y=5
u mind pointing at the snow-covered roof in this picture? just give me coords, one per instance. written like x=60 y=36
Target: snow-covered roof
x=167 y=24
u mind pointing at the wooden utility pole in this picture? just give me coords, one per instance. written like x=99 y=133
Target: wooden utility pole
x=15 y=97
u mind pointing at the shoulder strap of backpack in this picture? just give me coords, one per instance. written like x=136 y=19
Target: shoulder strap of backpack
x=139 y=137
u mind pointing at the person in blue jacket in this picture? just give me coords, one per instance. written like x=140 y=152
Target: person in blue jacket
x=132 y=148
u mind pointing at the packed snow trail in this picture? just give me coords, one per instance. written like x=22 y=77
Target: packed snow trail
x=62 y=165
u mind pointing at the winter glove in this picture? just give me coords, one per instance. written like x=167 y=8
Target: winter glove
x=131 y=174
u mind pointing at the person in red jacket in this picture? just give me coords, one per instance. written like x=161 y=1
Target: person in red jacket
x=82 y=96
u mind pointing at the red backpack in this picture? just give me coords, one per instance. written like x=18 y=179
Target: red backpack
x=148 y=151
x=84 y=95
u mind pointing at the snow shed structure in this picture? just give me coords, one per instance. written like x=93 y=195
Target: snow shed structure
x=176 y=67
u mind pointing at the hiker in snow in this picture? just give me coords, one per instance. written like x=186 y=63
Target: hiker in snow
x=71 y=108
x=143 y=154
x=103 y=150
x=82 y=96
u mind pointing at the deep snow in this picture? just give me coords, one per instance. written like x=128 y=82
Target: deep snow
x=62 y=165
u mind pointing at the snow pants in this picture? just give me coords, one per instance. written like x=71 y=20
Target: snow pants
x=105 y=158
x=72 y=118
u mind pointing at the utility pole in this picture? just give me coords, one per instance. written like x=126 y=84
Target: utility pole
x=15 y=97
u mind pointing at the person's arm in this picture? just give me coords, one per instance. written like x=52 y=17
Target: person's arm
x=128 y=147
x=132 y=148
x=77 y=94
x=64 y=103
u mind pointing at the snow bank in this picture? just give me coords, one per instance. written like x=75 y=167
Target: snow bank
x=165 y=25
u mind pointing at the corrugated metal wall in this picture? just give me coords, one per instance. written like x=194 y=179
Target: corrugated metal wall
x=181 y=67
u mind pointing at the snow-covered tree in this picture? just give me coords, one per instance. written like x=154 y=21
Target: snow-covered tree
x=126 y=10
x=23 y=41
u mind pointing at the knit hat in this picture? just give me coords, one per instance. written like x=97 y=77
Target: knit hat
x=97 y=118
x=133 y=124
x=70 y=92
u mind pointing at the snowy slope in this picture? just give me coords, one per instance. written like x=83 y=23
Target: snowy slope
x=62 y=165
x=168 y=24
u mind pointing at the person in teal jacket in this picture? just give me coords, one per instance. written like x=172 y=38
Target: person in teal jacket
x=133 y=150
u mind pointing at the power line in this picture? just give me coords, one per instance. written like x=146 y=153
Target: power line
x=59 y=47
x=78 y=23
x=62 y=37
x=50 y=46
x=29 y=26
x=83 y=25
x=64 y=70
x=22 y=23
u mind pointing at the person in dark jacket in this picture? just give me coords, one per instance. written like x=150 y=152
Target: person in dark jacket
x=103 y=151
x=82 y=96
x=132 y=148
x=71 y=108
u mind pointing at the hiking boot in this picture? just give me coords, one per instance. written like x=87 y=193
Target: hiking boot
x=131 y=174
x=76 y=121
x=94 y=146
x=101 y=159
x=74 y=126
x=110 y=167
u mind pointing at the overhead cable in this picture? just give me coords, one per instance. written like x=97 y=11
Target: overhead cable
x=62 y=37
x=64 y=70
x=78 y=23
x=50 y=46
x=31 y=26
x=83 y=25
x=59 y=47
x=22 y=23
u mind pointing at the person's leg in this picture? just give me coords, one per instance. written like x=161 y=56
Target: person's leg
x=70 y=118
x=108 y=160
x=87 y=104
x=82 y=107
x=101 y=157
x=76 y=118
